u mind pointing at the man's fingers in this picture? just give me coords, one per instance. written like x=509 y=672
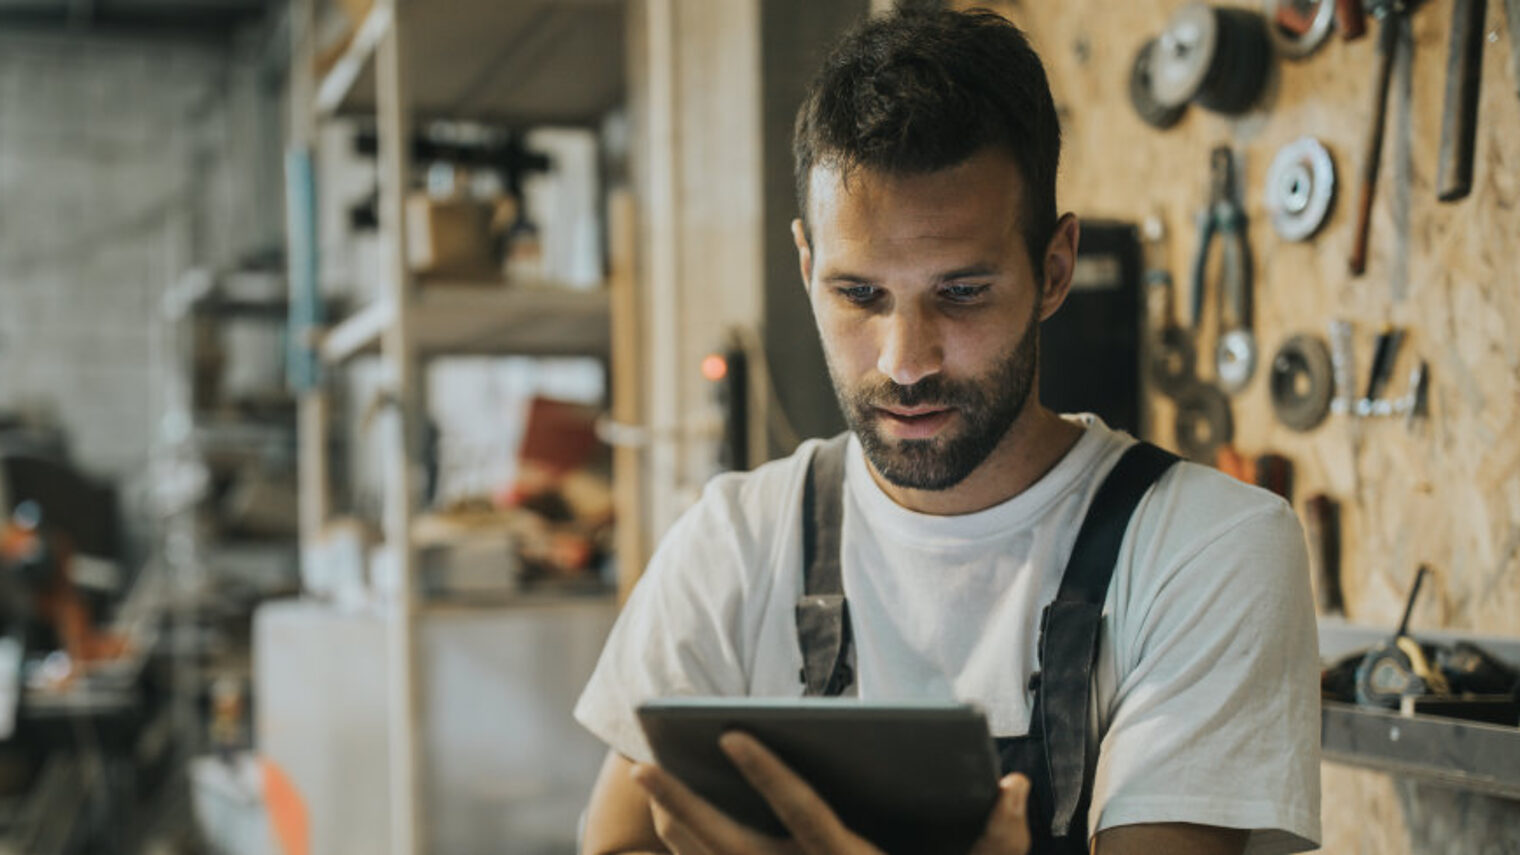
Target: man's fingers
x=1007 y=830
x=682 y=806
x=675 y=835
x=811 y=821
x=694 y=820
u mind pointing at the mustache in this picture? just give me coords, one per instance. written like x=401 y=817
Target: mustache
x=933 y=390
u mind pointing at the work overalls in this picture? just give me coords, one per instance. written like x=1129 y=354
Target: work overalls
x=1054 y=754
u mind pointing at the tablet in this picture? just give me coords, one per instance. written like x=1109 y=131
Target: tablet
x=918 y=777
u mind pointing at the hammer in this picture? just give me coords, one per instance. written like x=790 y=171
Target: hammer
x=1459 y=118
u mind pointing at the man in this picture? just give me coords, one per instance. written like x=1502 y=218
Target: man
x=931 y=249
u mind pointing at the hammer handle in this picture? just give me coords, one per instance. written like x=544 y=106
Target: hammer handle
x=1459 y=119
x=1372 y=155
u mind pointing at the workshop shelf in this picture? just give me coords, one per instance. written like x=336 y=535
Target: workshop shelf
x=337 y=86
x=1469 y=755
x=522 y=63
x=484 y=319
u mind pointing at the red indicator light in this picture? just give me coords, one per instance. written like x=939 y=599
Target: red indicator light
x=714 y=367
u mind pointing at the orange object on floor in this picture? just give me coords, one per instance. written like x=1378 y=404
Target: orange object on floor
x=287 y=813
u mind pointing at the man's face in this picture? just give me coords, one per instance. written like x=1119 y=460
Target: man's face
x=928 y=308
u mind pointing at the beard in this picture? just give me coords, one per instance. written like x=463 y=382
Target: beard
x=987 y=405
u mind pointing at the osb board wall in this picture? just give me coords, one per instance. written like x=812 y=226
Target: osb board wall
x=1446 y=493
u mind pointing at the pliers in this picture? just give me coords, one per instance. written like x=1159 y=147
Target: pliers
x=1224 y=218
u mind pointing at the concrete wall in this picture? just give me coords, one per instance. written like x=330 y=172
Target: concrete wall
x=122 y=163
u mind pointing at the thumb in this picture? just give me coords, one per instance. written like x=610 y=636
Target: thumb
x=1007 y=831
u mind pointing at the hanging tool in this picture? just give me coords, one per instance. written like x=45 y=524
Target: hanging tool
x=1274 y=472
x=1142 y=94
x=1459 y=118
x=1203 y=422
x=1235 y=353
x=1302 y=382
x=1412 y=405
x=1416 y=402
x=1350 y=19
x=1172 y=357
x=1391 y=15
x=1218 y=57
x=1299 y=27
x=1384 y=353
x=1342 y=368
x=1400 y=666
x=1322 y=527
x=1512 y=21
x=1300 y=188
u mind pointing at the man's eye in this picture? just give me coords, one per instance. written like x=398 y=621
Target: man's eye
x=963 y=293
x=858 y=294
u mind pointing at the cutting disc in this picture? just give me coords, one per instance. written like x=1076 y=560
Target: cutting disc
x=1303 y=382
x=1142 y=93
x=1173 y=361
x=1203 y=422
x=1185 y=53
x=1218 y=56
x=1300 y=188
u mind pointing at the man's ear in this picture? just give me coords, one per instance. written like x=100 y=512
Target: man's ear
x=804 y=253
x=1060 y=263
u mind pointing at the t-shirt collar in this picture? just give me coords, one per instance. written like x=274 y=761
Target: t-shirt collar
x=1016 y=513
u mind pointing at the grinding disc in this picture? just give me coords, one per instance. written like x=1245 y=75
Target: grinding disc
x=1300 y=188
x=1203 y=422
x=1173 y=361
x=1185 y=52
x=1235 y=359
x=1303 y=382
x=1239 y=72
x=1216 y=56
x=1142 y=95
x=1319 y=15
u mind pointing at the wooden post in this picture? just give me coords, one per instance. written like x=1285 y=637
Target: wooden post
x=627 y=372
x=394 y=136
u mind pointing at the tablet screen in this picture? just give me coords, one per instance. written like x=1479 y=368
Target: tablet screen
x=907 y=777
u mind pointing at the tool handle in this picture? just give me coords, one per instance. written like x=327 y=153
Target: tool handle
x=1323 y=528
x=1414 y=594
x=1235 y=293
x=1372 y=155
x=1512 y=21
x=1384 y=354
x=1350 y=19
x=1200 y=266
x=1459 y=118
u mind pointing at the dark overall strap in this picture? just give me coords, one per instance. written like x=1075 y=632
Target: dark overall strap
x=1069 y=627
x=823 y=618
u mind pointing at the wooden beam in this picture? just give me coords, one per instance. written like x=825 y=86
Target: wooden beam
x=627 y=374
x=394 y=134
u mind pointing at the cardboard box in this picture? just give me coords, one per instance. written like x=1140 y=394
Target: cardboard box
x=450 y=238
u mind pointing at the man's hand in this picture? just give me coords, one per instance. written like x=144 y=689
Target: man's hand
x=689 y=825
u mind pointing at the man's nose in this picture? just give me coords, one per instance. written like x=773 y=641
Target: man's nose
x=910 y=349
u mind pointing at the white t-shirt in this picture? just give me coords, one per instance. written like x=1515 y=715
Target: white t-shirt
x=1207 y=689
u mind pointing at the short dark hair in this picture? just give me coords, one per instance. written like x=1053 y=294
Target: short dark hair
x=918 y=91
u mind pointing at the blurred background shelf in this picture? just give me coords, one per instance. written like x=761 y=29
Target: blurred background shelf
x=1469 y=755
x=547 y=62
x=457 y=318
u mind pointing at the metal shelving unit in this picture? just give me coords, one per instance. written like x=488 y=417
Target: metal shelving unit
x=1464 y=754
x=1457 y=753
x=518 y=64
